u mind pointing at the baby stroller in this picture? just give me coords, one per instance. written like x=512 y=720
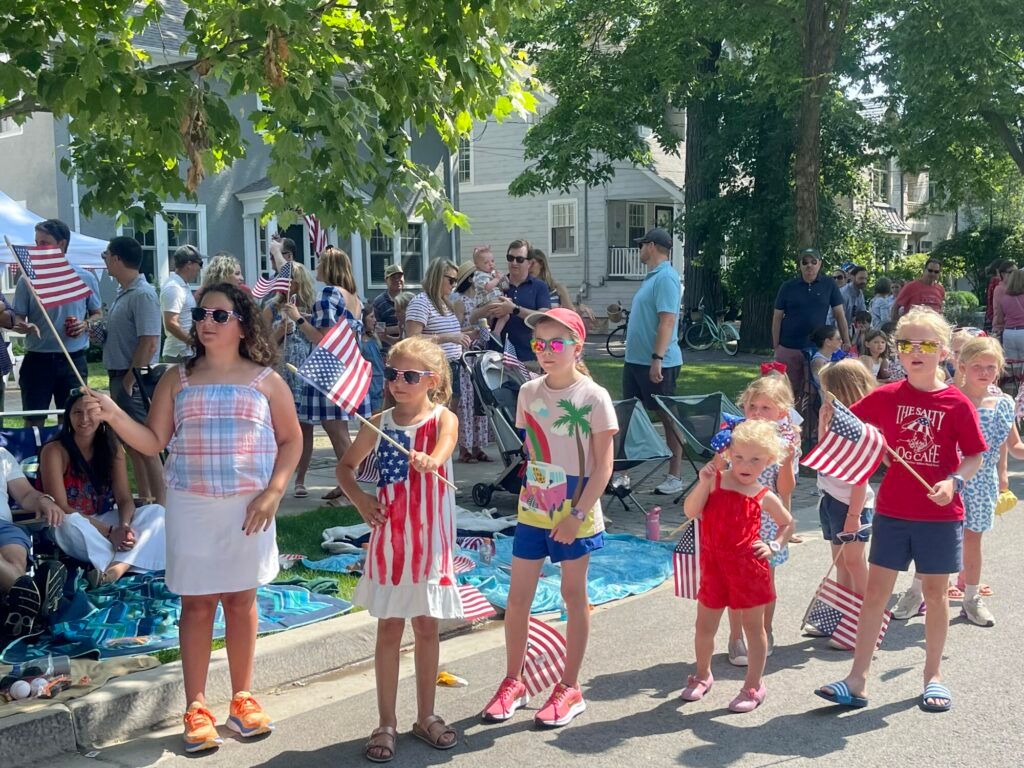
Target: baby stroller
x=497 y=389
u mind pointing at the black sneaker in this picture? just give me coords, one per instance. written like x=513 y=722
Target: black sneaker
x=20 y=609
x=50 y=577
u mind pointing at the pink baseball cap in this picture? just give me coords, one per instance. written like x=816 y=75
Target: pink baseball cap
x=562 y=316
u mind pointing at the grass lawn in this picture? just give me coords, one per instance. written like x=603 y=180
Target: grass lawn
x=694 y=379
x=302 y=534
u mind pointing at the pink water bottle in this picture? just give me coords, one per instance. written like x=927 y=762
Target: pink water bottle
x=654 y=524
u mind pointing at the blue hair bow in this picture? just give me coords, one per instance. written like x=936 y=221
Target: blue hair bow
x=723 y=438
x=838 y=355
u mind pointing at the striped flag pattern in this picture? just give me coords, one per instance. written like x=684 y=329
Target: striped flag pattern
x=474 y=604
x=462 y=564
x=835 y=611
x=851 y=451
x=511 y=360
x=49 y=272
x=281 y=283
x=317 y=233
x=686 y=563
x=338 y=369
x=472 y=543
x=545 y=657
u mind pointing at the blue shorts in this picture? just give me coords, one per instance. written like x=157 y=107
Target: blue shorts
x=933 y=547
x=533 y=543
x=832 y=514
x=14 y=534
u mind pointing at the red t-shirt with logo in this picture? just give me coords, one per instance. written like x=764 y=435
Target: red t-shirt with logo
x=918 y=292
x=931 y=431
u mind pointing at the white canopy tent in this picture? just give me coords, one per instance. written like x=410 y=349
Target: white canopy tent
x=18 y=223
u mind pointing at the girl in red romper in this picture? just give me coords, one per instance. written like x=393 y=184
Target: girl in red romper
x=734 y=569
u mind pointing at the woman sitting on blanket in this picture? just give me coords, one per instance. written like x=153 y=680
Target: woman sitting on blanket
x=84 y=469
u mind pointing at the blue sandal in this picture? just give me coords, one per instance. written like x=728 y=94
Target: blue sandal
x=841 y=695
x=936 y=691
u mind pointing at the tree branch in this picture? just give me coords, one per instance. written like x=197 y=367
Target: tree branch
x=1002 y=129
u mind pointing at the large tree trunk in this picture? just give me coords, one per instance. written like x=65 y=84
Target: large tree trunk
x=701 y=269
x=822 y=34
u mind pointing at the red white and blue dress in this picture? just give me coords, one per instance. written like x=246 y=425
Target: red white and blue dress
x=409 y=570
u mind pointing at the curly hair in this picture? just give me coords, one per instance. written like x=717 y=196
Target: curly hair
x=255 y=345
x=430 y=355
x=763 y=434
x=221 y=269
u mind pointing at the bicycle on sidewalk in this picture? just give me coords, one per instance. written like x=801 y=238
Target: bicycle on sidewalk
x=709 y=329
x=616 y=341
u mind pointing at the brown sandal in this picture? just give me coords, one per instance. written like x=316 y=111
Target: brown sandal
x=383 y=741
x=481 y=456
x=466 y=457
x=335 y=493
x=423 y=732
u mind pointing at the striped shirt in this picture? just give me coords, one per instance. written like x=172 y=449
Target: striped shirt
x=421 y=310
x=223 y=442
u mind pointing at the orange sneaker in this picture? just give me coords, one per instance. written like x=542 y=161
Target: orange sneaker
x=247 y=716
x=200 y=729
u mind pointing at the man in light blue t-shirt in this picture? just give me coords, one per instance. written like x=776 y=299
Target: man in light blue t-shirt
x=653 y=356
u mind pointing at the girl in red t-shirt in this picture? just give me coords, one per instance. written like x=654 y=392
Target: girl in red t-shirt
x=734 y=570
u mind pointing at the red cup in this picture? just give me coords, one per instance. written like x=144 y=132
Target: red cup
x=70 y=324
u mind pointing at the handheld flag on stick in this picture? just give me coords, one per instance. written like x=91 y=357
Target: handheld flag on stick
x=282 y=283
x=337 y=368
x=835 y=611
x=545 y=657
x=474 y=604
x=851 y=451
x=686 y=562
x=511 y=360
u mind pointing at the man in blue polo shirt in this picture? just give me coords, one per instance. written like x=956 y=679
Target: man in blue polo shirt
x=801 y=306
x=653 y=357
x=526 y=295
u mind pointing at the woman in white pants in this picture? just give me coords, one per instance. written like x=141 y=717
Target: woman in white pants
x=84 y=469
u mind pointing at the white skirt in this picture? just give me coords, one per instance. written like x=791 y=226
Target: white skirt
x=79 y=538
x=208 y=553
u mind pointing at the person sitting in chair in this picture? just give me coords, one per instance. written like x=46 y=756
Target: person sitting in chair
x=85 y=470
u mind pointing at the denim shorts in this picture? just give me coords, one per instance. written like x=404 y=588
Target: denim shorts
x=13 y=534
x=832 y=514
x=533 y=543
x=933 y=546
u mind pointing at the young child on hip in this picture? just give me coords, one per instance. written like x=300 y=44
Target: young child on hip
x=934 y=428
x=232 y=436
x=734 y=568
x=845 y=510
x=570 y=423
x=770 y=399
x=490 y=284
x=409 y=572
x=978 y=368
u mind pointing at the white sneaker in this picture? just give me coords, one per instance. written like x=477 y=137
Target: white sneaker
x=738 y=653
x=909 y=605
x=670 y=486
x=976 y=612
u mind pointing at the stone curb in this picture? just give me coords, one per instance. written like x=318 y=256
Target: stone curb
x=126 y=706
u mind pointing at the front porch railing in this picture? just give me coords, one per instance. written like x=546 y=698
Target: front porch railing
x=624 y=263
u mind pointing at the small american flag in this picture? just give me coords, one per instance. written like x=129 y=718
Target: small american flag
x=474 y=604
x=317 y=233
x=369 y=469
x=462 y=564
x=835 y=611
x=545 y=657
x=472 y=543
x=338 y=369
x=851 y=451
x=49 y=272
x=686 y=563
x=281 y=283
x=511 y=360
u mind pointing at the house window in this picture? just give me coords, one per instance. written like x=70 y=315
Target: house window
x=879 y=185
x=925 y=246
x=147 y=239
x=182 y=229
x=411 y=253
x=562 y=225
x=465 y=161
x=382 y=253
x=636 y=216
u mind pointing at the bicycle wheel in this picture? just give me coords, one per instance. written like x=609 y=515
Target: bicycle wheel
x=730 y=338
x=616 y=342
x=699 y=337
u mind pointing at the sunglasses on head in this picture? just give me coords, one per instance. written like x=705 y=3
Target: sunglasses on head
x=517 y=259
x=907 y=346
x=411 y=377
x=219 y=316
x=555 y=345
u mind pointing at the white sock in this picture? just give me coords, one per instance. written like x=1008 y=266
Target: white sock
x=970 y=591
x=917 y=587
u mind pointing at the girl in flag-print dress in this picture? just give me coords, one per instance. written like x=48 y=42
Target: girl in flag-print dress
x=409 y=572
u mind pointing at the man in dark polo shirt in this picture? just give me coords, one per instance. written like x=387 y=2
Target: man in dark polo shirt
x=384 y=305
x=525 y=296
x=801 y=306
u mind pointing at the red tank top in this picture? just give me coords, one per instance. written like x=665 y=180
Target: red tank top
x=731 y=520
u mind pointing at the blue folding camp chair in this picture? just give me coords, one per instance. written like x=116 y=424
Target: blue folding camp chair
x=696 y=419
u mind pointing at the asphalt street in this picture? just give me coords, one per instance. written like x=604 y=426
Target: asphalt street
x=640 y=653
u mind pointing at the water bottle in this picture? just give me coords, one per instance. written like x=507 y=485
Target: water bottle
x=654 y=524
x=487 y=551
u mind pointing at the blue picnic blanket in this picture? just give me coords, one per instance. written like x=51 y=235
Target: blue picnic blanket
x=138 y=614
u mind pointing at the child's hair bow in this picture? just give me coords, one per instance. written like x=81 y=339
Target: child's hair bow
x=773 y=366
x=723 y=438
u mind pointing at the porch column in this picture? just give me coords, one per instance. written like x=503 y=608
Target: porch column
x=250 y=265
x=677 y=240
x=358 y=268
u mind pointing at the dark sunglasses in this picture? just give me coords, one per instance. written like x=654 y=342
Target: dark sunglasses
x=411 y=377
x=808 y=262
x=451 y=280
x=934 y=271
x=517 y=259
x=220 y=316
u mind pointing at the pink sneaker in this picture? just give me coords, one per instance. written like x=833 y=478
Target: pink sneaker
x=561 y=707
x=748 y=699
x=511 y=696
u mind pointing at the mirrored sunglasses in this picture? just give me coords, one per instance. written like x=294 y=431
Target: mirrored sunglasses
x=907 y=346
x=555 y=345
x=411 y=377
x=219 y=316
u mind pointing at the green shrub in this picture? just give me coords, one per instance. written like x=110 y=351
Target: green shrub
x=962 y=300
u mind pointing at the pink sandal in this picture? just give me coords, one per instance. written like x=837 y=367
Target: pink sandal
x=748 y=699
x=696 y=688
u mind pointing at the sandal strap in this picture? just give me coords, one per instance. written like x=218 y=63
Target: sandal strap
x=430 y=721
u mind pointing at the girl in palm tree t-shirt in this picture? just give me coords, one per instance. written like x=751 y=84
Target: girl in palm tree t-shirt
x=569 y=421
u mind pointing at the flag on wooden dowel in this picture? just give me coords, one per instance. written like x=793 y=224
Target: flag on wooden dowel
x=835 y=612
x=686 y=563
x=850 y=452
x=545 y=657
x=337 y=368
x=511 y=360
x=474 y=604
x=48 y=270
x=281 y=283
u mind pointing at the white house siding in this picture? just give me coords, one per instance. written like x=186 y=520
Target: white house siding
x=28 y=171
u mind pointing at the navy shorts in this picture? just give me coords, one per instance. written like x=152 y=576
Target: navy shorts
x=636 y=382
x=933 y=546
x=533 y=543
x=832 y=514
x=13 y=534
